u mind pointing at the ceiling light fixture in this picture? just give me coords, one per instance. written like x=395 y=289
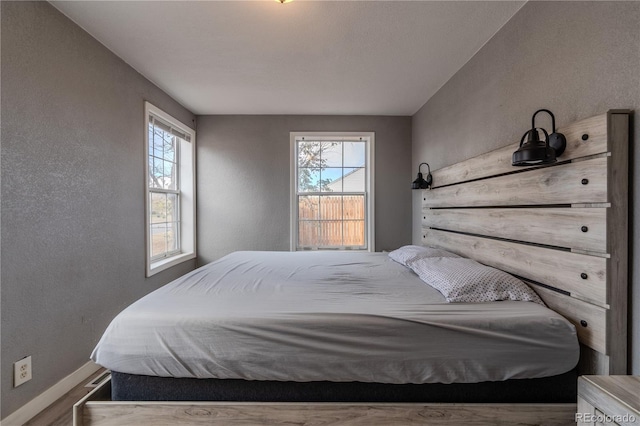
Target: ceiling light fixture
x=284 y=1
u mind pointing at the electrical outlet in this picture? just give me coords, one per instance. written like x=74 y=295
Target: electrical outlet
x=21 y=371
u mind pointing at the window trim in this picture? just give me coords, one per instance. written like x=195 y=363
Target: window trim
x=370 y=181
x=187 y=209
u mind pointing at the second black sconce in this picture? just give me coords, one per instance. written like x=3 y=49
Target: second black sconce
x=421 y=182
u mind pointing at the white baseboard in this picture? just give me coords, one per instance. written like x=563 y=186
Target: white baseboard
x=48 y=397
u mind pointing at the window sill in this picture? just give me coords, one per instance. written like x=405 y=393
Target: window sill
x=161 y=265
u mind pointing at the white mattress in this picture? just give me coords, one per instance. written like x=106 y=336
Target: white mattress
x=335 y=316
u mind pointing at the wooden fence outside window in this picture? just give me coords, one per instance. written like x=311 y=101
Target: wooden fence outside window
x=331 y=221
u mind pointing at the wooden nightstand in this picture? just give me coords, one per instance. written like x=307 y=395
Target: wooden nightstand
x=608 y=400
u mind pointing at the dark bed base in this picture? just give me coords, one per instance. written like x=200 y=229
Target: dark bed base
x=130 y=387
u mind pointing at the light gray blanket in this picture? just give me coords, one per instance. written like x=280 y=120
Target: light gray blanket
x=334 y=316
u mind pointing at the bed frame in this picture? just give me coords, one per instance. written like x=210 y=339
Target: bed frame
x=563 y=228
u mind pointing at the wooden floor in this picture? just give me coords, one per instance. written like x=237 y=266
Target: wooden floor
x=60 y=412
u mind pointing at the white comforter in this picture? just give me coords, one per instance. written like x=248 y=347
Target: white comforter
x=335 y=316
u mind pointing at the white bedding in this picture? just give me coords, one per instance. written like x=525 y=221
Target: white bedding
x=335 y=316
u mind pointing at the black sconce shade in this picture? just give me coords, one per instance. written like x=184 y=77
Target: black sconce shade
x=421 y=182
x=535 y=151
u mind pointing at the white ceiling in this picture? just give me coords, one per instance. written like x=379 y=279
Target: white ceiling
x=303 y=57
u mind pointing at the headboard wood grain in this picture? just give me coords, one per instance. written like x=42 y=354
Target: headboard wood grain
x=563 y=228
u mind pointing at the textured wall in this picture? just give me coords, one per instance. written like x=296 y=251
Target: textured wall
x=243 y=179
x=576 y=58
x=72 y=193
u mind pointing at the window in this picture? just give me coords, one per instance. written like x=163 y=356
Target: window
x=170 y=190
x=332 y=191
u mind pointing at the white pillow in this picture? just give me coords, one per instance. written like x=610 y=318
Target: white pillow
x=465 y=280
x=405 y=255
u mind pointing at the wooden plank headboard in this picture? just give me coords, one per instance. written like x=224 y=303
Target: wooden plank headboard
x=561 y=227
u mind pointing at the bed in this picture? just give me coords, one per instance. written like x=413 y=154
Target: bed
x=476 y=212
x=333 y=317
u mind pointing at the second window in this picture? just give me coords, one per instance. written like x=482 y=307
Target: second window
x=331 y=183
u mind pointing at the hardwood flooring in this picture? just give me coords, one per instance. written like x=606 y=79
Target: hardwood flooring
x=60 y=413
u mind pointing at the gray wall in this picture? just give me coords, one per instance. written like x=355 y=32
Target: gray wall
x=243 y=179
x=72 y=193
x=576 y=58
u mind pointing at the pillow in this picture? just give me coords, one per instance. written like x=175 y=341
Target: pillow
x=404 y=255
x=465 y=280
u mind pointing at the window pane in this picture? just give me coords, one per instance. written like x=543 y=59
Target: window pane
x=353 y=232
x=150 y=136
x=153 y=180
x=332 y=154
x=167 y=142
x=155 y=173
x=309 y=154
x=308 y=233
x=169 y=178
x=169 y=149
x=354 y=180
x=172 y=236
x=331 y=233
x=158 y=208
x=331 y=179
x=158 y=239
x=172 y=208
x=331 y=207
x=354 y=154
x=158 y=142
x=308 y=207
x=308 y=180
x=353 y=207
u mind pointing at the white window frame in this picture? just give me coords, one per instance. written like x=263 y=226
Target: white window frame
x=187 y=206
x=369 y=137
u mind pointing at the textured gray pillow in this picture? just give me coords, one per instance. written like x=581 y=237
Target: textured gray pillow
x=406 y=254
x=465 y=280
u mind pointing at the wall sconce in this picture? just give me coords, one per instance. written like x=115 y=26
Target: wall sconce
x=420 y=182
x=534 y=151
